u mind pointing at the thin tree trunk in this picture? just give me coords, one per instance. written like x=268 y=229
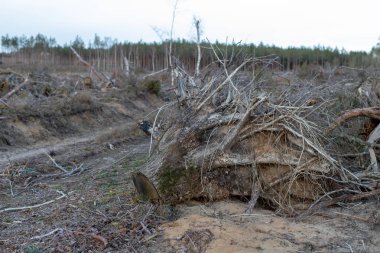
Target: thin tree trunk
x=197 y=26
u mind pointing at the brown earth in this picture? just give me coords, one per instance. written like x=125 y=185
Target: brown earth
x=97 y=210
x=232 y=230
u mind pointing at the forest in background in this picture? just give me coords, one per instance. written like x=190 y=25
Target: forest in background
x=107 y=54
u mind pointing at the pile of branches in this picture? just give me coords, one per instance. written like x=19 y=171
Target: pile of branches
x=225 y=137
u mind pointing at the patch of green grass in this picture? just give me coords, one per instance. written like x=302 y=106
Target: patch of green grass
x=112 y=193
x=107 y=174
x=109 y=179
x=111 y=183
x=136 y=162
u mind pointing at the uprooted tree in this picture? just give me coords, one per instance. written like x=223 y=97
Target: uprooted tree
x=224 y=137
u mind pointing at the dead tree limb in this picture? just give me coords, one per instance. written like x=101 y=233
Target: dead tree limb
x=47 y=234
x=344 y=198
x=197 y=24
x=34 y=206
x=155 y=73
x=233 y=137
x=373 y=137
x=371 y=112
x=97 y=74
x=18 y=87
x=67 y=173
x=171 y=42
x=223 y=83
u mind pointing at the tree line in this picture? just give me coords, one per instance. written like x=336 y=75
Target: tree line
x=107 y=54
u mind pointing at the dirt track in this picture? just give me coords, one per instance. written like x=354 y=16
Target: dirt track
x=32 y=152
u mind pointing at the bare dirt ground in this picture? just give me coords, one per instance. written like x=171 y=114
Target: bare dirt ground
x=225 y=227
x=97 y=210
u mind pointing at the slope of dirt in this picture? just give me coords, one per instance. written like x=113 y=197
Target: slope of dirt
x=52 y=107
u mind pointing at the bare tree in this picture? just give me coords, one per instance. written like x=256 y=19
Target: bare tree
x=171 y=42
x=197 y=24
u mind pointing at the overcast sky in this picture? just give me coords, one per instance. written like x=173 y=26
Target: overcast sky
x=353 y=25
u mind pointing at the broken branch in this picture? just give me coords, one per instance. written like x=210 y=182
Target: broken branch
x=232 y=138
x=87 y=64
x=347 y=198
x=6 y=96
x=34 y=206
x=371 y=112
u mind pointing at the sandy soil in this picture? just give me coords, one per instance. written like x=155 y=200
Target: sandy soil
x=229 y=229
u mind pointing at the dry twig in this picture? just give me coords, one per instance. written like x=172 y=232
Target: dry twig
x=34 y=206
x=67 y=173
x=346 y=197
x=47 y=234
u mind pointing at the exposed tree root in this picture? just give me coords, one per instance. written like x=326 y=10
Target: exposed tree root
x=243 y=146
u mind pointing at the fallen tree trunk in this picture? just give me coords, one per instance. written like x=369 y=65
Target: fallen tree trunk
x=101 y=76
x=194 y=165
x=247 y=148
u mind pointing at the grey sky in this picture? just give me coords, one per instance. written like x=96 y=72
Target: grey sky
x=353 y=25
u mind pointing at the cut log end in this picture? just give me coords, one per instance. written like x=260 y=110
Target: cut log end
x=145 y=188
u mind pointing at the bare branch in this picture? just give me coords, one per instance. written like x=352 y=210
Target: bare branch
x=88 y=65
x=18 y=87
x=57 y=165
x=171 y=41
x=232 y=138
x=371 y=112
x=222 y=84
x=67 y=173
x=47 y=234
x=346 y=197
x=373 y=137
x=34 y=206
